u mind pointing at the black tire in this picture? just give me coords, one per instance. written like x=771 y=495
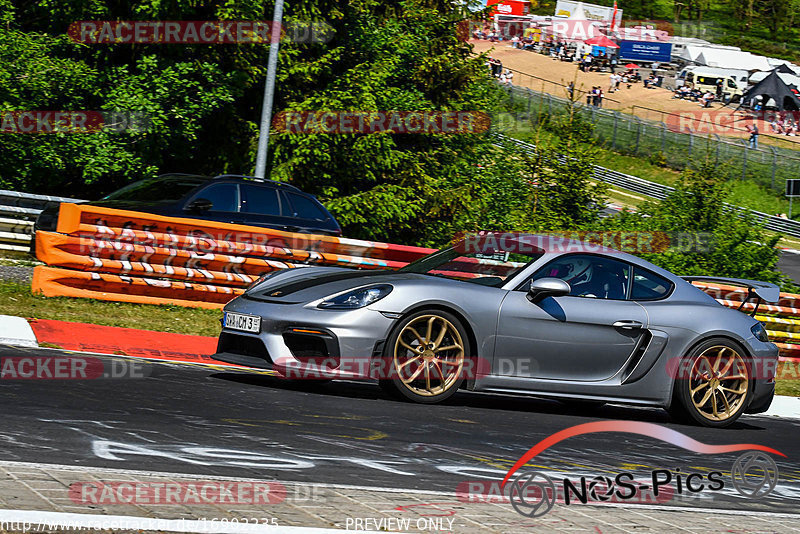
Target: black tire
x=399 y=360
x=702 y=390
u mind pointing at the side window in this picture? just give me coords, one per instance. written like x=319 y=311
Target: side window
x=223 y=197
x=589 y=275
x=304 y=208
x=260 y=199
x=649 y=286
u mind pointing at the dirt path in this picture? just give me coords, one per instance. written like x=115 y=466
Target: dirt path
x=632 y=100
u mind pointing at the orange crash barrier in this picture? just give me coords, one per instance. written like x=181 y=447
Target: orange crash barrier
x=80 y=219
x=723 y=292
x=138 y=257
x=54 y=282
x=89 y=253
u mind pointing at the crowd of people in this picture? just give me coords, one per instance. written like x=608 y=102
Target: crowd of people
x=695 y=95
x=784 y=124
x=595 y=97
x=505 y=76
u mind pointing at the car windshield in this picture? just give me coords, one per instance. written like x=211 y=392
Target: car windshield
x=161 y=189
x=489 y=264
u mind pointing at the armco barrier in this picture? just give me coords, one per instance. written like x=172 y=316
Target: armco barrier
x=137 y=257
x=17 y=213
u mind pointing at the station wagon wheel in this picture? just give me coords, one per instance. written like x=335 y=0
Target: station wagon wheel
x=426 y=357
x=716 y=385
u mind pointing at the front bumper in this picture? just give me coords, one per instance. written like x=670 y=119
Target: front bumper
x=301 y=341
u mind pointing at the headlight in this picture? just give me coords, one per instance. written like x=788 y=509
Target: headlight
x=760 y=332
x=357 y=298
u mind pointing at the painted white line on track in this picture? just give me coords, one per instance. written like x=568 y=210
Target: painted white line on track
x=16 y=331
x=452 y=494
x=784 y=406
x=71 y=521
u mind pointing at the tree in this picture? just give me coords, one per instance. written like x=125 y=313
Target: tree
x=569 y=198
x=723 y=241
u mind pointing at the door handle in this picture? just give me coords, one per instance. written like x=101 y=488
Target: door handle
x=628 y=325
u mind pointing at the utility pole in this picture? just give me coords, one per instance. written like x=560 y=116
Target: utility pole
x=269 y=91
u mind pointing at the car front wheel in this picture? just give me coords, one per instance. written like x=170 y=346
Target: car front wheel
x=714 y=384
x=426 y=356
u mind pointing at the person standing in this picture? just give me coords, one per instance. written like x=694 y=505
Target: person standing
x=753 y=142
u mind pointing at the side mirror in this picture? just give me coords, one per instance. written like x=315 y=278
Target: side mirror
x=547 y=287
x=200 y=205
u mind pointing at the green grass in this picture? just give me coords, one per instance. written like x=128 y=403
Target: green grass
x=790 y=388
x=639 y=167
x=744 y=193
x=17 y=299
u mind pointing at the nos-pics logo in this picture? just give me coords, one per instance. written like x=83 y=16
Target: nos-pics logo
x=754 y=474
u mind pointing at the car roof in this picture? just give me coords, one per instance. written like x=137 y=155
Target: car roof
x=232 y=178
x=239 y=178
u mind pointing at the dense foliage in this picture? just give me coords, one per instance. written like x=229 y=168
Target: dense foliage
x=204 y=102
x=706 y=237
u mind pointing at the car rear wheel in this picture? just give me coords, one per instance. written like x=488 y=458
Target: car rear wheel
x=714 y=386
x=426 y=356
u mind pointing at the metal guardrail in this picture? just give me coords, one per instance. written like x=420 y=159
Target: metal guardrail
x=660 y=192
x=768 y=166
x=17 y=213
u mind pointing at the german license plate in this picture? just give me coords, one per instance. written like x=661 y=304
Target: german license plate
x=245 y=323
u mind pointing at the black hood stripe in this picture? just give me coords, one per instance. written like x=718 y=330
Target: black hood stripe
x=288 y=289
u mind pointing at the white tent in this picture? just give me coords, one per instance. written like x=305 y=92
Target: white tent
x=692 y=51
x=775 y=62
x=732 y=59
x=788 y=79
x=579 y=13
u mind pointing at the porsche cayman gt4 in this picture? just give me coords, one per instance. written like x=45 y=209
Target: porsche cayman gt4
x=513 y=317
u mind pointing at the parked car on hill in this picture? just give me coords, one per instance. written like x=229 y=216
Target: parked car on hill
x=226 y=199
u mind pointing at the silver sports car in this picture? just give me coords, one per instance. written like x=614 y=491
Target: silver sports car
x=511 y=316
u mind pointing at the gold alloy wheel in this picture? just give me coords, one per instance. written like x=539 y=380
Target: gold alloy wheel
x=429 y=355
x=718 y=383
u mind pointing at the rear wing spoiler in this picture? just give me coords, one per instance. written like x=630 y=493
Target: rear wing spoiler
x=761 y=291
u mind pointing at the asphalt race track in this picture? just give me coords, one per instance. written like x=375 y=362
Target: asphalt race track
x=196 y=420
x=789 y=264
